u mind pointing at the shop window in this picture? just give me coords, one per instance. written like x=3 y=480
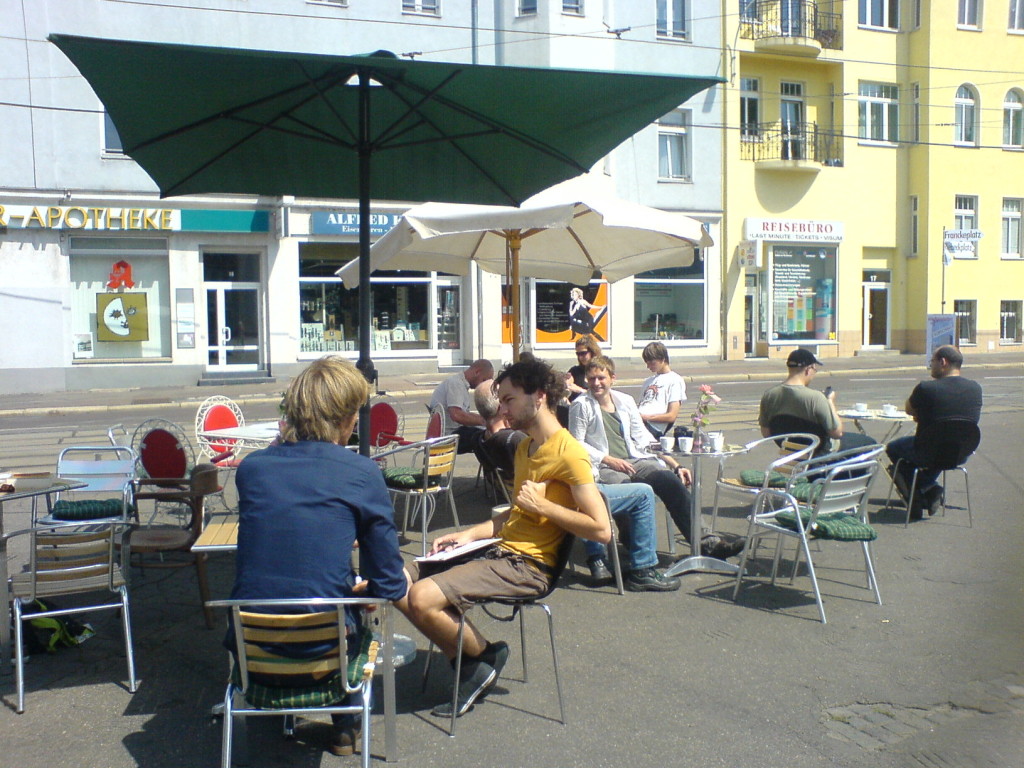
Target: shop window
x=527 y=7
x=965 y=117
x=120 y=299
x=329 y=313
x=1009 y=322
x=1013 y=119
x=884 y=14
x=674 y=146
x=669 y=304
x=966 y=312
x=803 y=293
x=1012 y=236
x=969 y=13
x=671 y=18
x=563 y=311
x=878 y=112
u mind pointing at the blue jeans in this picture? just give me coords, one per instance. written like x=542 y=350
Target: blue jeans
x=636 y=501
x=904 y=448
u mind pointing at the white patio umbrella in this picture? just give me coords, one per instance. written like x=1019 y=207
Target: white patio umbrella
x=564 y=233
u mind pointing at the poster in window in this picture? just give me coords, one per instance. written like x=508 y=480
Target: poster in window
x=82 y=348
x=564 y=312
x=122 y=317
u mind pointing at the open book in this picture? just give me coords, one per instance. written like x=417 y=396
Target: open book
x=455 y=552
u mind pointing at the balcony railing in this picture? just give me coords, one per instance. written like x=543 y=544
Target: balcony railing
x=806 y=19
x=799 y=142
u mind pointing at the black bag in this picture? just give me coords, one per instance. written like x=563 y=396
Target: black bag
x=48 y=633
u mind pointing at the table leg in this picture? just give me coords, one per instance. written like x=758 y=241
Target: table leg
x=696 y=561
x=5 y=621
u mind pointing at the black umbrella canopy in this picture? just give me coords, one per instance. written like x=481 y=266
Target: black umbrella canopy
x=222 y=120
x=202 y=120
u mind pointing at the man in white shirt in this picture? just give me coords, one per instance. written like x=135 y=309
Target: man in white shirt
x=663 y=392
x=455 y=395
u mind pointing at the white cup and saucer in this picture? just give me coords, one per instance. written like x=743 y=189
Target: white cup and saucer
x=888 y=409
x=667 y=443
x=860 y=407
x=685 y=444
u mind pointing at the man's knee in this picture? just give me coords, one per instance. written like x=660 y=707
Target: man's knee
x=424 y=597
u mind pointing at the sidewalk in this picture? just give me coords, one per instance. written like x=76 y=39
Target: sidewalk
x=421 y=385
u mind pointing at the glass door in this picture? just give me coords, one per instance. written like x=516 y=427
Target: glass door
x=791 y=116
x=449 y=325
x=232 y=316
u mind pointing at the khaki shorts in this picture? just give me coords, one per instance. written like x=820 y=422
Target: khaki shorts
x=496 y=573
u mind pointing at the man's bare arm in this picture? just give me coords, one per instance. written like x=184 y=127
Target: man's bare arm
x=590 y=522
x=465 y=418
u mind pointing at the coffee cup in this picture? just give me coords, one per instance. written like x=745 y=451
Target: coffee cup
x=667 y=443
x=717 y=441
x=889 y=409
x=860 y=407
x=685 y=444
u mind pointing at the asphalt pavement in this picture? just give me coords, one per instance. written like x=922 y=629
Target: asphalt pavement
x=933 y=678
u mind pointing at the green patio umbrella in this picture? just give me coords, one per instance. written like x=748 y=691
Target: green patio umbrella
x=219 y=120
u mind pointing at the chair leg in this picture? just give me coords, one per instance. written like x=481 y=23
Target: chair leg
x=19 y=654
x=126 y=622
x=910 y=501
x=227 y=729
x=814 y=579
x=458 y=676
x=869 y=568
x=554 y=660
x=967 y=487
x=364 y=750
x=454 y=509
x=522 y=642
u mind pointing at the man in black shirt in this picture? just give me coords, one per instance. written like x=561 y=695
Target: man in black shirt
x=947 y=396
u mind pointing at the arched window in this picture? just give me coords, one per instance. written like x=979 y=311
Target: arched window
x=1013 y=120
x=966 y=116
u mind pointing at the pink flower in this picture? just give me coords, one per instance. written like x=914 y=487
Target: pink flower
x=706 y=389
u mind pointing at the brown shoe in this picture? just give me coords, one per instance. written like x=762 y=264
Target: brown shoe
x=345 y=742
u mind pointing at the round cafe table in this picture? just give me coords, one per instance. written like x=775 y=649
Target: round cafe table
x=695 y=561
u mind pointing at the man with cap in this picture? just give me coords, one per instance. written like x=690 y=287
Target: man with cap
x=793 y=406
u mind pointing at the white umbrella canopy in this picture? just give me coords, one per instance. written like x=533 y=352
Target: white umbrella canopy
x=564 y=233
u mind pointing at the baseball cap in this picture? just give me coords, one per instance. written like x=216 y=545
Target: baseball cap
x=801 y=358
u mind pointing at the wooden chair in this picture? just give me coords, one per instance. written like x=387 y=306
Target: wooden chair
x=159 y=539
x=66 y=559
x=283 y=681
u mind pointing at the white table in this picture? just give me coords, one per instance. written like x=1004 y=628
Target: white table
x=895 y=421
x=56 y=486
x=695 y=561
x=256 y=435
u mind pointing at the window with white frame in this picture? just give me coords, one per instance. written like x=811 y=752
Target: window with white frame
x=878 y=112
x=111 y=140
x=965 y=216
x=671 y=18
x=750 y=109
x=669 y=304
x=527 y=7
x=969 y=13
x=1013 y=119
x=915 y=117
x=1009 y=322
x=965 y=116
x=432 y=7
x=574 y=7
x=913 y=225
x=884 y=14
x=966 y=312
x=674 y=146
x=1017 y=15
x=1012 y=242
x=748 y=10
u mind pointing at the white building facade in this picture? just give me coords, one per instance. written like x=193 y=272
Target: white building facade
x=107 y=285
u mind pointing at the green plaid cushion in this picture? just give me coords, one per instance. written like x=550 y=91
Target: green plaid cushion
x=835 y=525
x=805 y=492
x=325 y=693
x=405 y=477
x=755 y=478
x=87 y=509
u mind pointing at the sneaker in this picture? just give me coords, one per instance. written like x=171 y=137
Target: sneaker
x=345 y=742
x=599 y=573
x=478 y=677
x=932 y=500
x=722 y=545
x=495 y=654
x=650 y=580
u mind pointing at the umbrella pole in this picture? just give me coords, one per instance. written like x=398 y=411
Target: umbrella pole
x=515 y=242
x=365 y=363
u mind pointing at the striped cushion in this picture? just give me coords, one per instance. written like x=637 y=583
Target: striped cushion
x=755 y=478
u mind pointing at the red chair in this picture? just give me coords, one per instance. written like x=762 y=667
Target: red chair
x=218 y=412
x=435 y=422
x=386 y=424
x=163 y=450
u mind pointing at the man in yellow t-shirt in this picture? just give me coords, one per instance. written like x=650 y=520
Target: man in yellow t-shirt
x=555 y=494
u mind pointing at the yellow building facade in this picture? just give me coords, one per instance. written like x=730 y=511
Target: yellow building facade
x=874 y=176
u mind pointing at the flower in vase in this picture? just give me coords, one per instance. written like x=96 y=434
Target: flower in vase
x=706 y=403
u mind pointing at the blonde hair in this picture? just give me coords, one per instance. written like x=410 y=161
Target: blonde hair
x=321 y=398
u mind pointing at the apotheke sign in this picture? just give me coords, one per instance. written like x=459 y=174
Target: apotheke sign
x=94 y=218
x=793 y=230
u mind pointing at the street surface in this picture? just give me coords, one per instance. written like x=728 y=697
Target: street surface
x=933 y=678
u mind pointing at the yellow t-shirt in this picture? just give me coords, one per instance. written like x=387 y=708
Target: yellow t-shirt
x=562 y=461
